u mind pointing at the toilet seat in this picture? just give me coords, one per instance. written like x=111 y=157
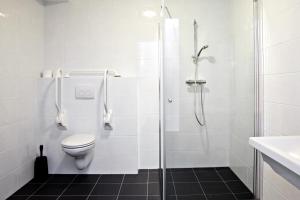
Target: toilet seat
x=78 y=141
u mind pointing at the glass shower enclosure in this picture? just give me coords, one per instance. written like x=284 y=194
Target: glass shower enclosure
x=207 y=98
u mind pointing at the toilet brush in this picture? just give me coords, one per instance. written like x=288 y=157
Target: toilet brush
x=41 y=166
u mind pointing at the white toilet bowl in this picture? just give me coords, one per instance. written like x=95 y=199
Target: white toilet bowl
x=81 y=147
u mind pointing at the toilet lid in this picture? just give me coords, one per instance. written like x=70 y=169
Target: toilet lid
x=77 y=141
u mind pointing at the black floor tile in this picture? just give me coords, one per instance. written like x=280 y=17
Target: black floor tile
x=188 y=189
x=132 y=198
x=154 y=198
x=227 y=174
x=106 y=189
x=153 y=177
x=111 y=178
x=153 y=189
x=182 y=170
x=244 y=196
x=191 y=197
x=171 y=197
x=51 y=189
x=170 y=189
x=79 y=189
x=136 y=178
x=214 y=188
x=220 y=197
x=102 y=197
x=61 y=178
x=207 y=174
x=43 y=198
x=73 y=198
x=141 y=171
x=154 y=170
x=169 y=177
x=86 y=178
x=27 y=189
x=18 y=198
x=39 y=180
x=237 y=187
x=134 y=189
x=184 y=177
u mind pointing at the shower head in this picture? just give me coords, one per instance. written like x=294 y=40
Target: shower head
x=203 y=48
x=196 y=56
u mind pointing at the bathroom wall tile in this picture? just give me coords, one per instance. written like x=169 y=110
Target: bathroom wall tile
x=286 y=84
x=149 y=124
x=279 y=23
x=284 y=54
x=21 y=61
x=149 y=142
x=281 y=85
x=148 y=159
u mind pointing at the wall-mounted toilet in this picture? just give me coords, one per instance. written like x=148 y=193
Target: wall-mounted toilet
x=81 y=147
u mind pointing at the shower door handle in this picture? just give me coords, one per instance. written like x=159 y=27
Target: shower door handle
x=170 y=100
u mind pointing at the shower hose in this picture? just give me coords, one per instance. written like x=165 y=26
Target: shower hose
x=202 y=105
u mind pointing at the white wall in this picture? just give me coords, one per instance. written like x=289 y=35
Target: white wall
x=97 y=34
x=281 y=79
x=21 y=59
x=190 y=145
x=242 y=125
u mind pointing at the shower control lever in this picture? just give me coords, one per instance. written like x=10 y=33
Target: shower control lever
x=170 y=100
x=195 y=82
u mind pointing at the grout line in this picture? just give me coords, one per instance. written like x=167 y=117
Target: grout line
x=41 y=185
x=199 y=183
x=147 y=183
x=139 y=183
x=67 y=187
x=225 y=183
x=120 y=187
x=173 y=184
x=93 y=188
x=204 y=181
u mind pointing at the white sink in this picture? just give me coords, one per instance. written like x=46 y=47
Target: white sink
x=282 y=154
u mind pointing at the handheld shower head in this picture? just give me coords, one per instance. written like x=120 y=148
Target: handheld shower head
x=203 y=48
x=196 y=56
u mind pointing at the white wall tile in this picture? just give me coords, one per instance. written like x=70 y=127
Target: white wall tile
x=21 y=60
x=281 y=85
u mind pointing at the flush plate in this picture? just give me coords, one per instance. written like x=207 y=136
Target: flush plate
x=85 y=92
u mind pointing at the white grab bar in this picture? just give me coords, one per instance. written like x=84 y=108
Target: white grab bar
x=58 y=75
x=107 y=112
x=61 y=114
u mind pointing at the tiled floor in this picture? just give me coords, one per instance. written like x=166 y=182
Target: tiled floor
x=144 y=186
x=205 y=184
x=183 y=184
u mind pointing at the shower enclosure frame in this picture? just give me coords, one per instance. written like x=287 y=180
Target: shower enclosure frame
x=258 y=87
x=259 y=94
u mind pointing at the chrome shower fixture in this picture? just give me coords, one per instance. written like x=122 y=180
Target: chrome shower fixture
x=196 y=82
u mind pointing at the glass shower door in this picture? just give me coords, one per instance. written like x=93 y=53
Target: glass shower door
x=208 y=92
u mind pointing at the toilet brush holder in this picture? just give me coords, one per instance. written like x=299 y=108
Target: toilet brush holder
x=41 y=166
